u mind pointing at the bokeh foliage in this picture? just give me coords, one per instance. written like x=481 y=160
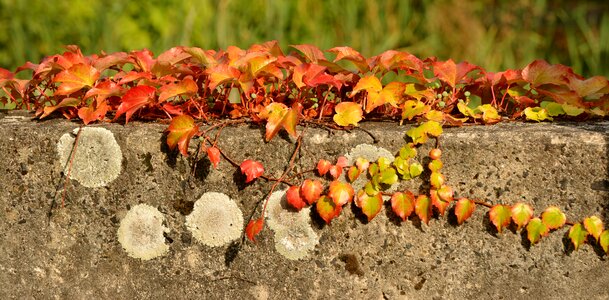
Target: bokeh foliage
x=494 y=34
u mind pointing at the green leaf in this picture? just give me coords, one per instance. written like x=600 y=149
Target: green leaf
x=371 y=189
x=594 y=226
x=572 y=110
x=419 y=135
x=500 y=215
x=416 y=169
x=521 y=214
x=353 y=173
x=373 y=169
x=553 y=217
x=535 y=230
x=554 y=109
x=371 y=205
x=604 y=241
x=464 y=209
x=388 y=176
x=402 y=204
x=578 y=235
x=408 y=151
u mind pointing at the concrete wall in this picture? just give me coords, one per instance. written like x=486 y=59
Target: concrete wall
x=76 y=254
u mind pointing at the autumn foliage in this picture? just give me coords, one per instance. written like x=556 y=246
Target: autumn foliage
x=337 y=88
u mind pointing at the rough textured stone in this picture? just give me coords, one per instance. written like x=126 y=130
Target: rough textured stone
x=75 y=253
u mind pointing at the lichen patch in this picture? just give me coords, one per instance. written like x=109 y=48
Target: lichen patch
x=141 y=232
x=97 y=159
x=216 y=220
x=294 y=237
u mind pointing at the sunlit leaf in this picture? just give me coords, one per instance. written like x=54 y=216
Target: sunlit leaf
x=553 y=217
x=415 y=169
x=388 y=176
x=75 y=78
x=136 y=98
x=451 y=73
x=221 y=74
x=91 y=113
x=66 y=102
x=535 y=230
x=327 y=209
x=294 y=199
x=578 y=235
x=402 y=204
x=311 y=190
x=604 y=241
x=183 y=87
x=370 y=84
x=348 y=53
x=521 y=214
x=311 y=52
x=537 y=114
x=253 y=228
x=413 y=108
x=180 y=132
x=422 y=208
x=594 y=226
x=540 y=72
x=353 y=173
x=251 y=169
x=213 y=153
x=340 y=192
x=323 y=166
x=370 y=205
x=436 y=179
x=464 y=209
x=500 y=216
x=437 y=202
x=348 y=113
x=335 y=171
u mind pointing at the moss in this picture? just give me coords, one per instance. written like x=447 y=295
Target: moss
x=294 y=237
x=141 y=232
x=216 y=220
x=97 y=159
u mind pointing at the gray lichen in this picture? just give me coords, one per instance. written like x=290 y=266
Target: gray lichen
x=141 y=232
x=97 y=159
x=216 y=220
x=294 y=237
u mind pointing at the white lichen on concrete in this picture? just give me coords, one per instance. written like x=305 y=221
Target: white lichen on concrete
x=294 y=237
x=216 y=220
x=97 y=159
x=371 y=153
x=141 y=232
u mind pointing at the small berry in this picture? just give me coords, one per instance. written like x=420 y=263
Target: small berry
x=435 y=153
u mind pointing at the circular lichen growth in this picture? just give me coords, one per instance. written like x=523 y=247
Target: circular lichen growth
x=97 y=159
x=141 y=232
x=294 y=237
x=216 y=220
x=371 y=153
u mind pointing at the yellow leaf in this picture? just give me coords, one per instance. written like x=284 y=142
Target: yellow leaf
x=348 y=113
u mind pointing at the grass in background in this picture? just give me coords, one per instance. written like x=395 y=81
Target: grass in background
x=494 y=34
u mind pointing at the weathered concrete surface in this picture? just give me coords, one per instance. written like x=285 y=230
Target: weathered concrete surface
x=75 y=253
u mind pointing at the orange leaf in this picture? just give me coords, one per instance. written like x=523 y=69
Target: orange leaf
x=184 y=87
x=437 y=202
x=348 y=113
x=221 y=74
x=452 y=73
x=75 y=78
x=422 y=208
x=180 y=131
x=370 y=84
x=311 y=190
x=540 y=72
x=251 y=169
x=136 y=98
x=66 y=102
x=402 y=204
x=464 y=209
x=311 y=52
x=350 y=54
x=594 y=226
x=335 y=171
x=353 y=173
x=214 y=156
x=323 y=166
x=253 y=228
x=294 y=199
x=340 y=192
x=91 y=114
x=500 y=215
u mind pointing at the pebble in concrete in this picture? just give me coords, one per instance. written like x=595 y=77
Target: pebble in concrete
x=97 y=159
x=141 y=232
x=216 y=220
x=294 y=236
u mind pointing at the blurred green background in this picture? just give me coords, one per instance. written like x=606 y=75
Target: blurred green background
x=496 y=35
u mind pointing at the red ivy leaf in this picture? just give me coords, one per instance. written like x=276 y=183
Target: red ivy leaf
x=66 y=102
x=184 y=87
x=251 y=169
x=214 y=156
x=294 y=199
x=350 y=54
x=111 y=60
x=342 y=161
x=335 y=171
x=402 y=204
x=90 y=114
x=221 y=74
x=180 y=131
x=311 y=52
x=540 y=72
x=103 y=90
x=323 y=166
x=136 y=98
x=75 y=78
x=253 y=228
x=311 y=190
x=452 y=73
